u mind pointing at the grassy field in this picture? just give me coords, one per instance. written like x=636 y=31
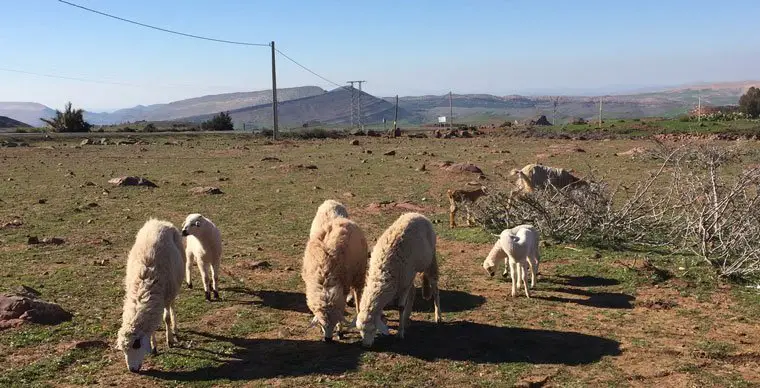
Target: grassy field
x=597 y=318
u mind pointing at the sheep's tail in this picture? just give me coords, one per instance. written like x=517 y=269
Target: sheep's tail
x=430 y=280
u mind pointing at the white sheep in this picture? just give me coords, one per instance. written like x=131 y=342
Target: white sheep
x=326 y=212
x=152 y=282
x=519 y=249
x=203 y=245
x=536 y=177
x=334 y=265
x=406 y=248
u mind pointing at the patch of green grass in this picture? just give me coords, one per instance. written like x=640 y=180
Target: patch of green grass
x=84 y=364
x=473 y=235
x=715 y=349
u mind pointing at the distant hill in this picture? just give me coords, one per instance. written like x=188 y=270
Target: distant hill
x=333 y=107
x=666 y=102
x=201 y=105
x=26 y=112
x=9 y=123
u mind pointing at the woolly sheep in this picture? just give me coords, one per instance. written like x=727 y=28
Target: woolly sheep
x=326 y=212
x=203 y=244
x=519 y=249
x=334 y=265
x=152 y=282
x=535 y=177
x=404 y=249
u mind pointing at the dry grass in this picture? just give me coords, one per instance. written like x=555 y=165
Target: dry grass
x=596 y=319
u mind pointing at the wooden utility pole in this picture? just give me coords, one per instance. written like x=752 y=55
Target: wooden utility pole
x=451 y=113
x=274 y=95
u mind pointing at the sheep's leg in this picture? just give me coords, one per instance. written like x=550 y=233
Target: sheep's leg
x=204 y=268
x=512 y=270
x=532 y=273
x=215 y=279
x=407 y=311
x=523 y=270
x=168 y=326
x=174 y=319
x=153 y=348
x=356 y=295
x=452 y=214
x=188 y=270
x=436 y=302
x=469 y=215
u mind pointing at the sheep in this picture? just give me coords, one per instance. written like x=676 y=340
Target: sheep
x=404 y=249
x=327 y=211
x=519 y=249
x=535 y=177
x=203 y=244
x=153 y=280
x=465 y=197
x=334 y=265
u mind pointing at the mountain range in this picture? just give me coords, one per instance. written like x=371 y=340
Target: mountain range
x=311 y=104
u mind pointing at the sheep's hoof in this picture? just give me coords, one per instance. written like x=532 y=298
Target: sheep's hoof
x=341 y=336
x=328 y=340
x=216 y=294
x=208 y=296
x=154 y=352
x=190 y=285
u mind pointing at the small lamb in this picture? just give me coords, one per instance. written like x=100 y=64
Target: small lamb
x=519 y=249
x=203 y=244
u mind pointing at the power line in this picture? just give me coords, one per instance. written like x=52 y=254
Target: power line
x=164 y=29
x=309 y=70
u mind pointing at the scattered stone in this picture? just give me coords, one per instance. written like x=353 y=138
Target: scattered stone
x=349 y=194
x=131 y=181
x=223 y=179
x=633 y=152
x=307 y=166
x=354 y=142
x=88 y=183
x=317 y=188
x=259 y=264
x=289 y=269
x=101 y=262
x=16 y=310
x=42 y=201
x=94 y=344
x=15 y=223
x=270 y=159
x=32 y=240
x=85 y=142
x=368 y=151
x=390 y=153
x=422 y=168
x=53 y=240
x=206 y=190
x=364 y=160
x=461 y=167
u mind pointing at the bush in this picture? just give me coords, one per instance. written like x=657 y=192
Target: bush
x=749 y=103
x=220 y=122
x=70 y=120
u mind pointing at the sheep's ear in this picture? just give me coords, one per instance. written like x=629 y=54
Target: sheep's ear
x=136 y=344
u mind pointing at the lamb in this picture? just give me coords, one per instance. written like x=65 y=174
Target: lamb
x=203 y=244
x=535 y=177
x=404 y=249
x=334 y=265
x=327 y=211
x=465 y=197
x=519 y=249
x=152 y=282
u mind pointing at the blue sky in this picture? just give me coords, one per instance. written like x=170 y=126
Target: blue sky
x=399 y=47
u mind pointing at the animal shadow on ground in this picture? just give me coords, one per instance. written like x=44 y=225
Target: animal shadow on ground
x=485 y=344
x=583 y=281
x=452 y=301
x=280 y=300
x=610 y=300
x=266 y=358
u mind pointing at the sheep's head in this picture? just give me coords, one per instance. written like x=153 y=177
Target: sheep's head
x=192 y=223
x=135 y=346
x=328 y=308
x=369 y=327
x=490 y=266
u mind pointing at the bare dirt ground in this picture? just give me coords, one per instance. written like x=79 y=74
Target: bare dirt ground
x=596 y=318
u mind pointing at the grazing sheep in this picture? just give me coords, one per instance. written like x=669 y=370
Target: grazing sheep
x=535 y=177
x=519 y=249
x=203 y=244
x=152 y=282
x=465 y=197
x=327 y=211
x=404 y=249
x=334 y=265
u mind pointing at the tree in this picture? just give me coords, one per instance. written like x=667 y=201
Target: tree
x=70 y=120
x=749 y=103
x=220 y=122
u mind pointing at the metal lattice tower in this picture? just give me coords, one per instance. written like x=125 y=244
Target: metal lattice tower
x=356 y=104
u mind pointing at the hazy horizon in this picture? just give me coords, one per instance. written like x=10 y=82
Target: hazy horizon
x=426 y=47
